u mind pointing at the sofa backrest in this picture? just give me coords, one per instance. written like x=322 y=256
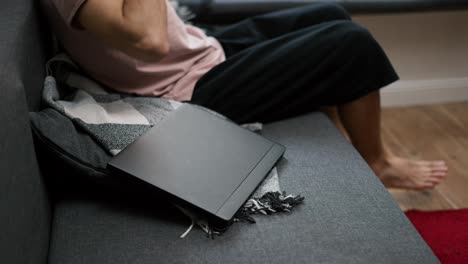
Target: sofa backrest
x=25 y=213
x=226 y=11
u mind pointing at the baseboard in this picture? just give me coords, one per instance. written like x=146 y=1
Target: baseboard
x=418 y=92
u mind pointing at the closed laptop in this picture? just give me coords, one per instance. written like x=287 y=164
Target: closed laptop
x=200 y=159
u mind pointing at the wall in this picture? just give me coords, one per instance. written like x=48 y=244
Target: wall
x=429 y=51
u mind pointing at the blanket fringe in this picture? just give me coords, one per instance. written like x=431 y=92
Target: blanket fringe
x=269 y=203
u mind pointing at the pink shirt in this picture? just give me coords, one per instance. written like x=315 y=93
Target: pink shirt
x=190 y=56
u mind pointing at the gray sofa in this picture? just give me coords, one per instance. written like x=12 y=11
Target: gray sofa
x=348 y=216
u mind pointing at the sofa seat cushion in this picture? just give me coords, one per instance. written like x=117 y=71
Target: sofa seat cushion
x=348 y=216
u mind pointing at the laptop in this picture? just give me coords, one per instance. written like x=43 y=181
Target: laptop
x=201 y=160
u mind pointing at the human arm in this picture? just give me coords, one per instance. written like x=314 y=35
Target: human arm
x=136 y=27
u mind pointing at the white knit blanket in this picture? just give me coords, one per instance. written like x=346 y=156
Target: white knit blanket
x=115 y=120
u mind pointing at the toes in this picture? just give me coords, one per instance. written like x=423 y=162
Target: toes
x=435 y=180
x=438 y=162
x=430 y=166
x=426 y=185
x=439 y=166
x=439 y=174
x=419 y=175
x=430 y=163
x=441 y=170
x=430 y=183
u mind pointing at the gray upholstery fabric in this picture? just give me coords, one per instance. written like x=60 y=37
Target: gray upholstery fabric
x=24 y=208
x=23 y=29
x=348 y=216
x=60 y=130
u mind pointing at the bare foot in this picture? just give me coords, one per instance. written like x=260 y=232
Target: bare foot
x=402 y=173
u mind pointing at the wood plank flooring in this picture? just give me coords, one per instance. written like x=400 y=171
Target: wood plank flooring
x=431 y=132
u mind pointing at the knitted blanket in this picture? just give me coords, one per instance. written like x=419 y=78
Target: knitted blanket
x=115 y=120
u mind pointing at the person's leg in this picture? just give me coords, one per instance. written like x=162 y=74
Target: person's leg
x=332 y=113
x=268 y=26
x=332 y=63
x=361 y=118
x=298 y=72
x=252 y=31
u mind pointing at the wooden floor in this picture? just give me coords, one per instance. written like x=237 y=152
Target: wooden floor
x=431 y=132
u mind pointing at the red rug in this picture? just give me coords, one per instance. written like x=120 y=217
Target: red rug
x=446 y=232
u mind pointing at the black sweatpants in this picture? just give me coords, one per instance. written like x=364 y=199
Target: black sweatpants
x=292 y=62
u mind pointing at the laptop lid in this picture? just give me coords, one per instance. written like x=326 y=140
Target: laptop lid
x=202 y=159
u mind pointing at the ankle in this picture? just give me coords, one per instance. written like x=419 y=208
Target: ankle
x=379 y=164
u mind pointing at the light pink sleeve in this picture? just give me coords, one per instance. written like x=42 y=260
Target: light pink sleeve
x=68 y=8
